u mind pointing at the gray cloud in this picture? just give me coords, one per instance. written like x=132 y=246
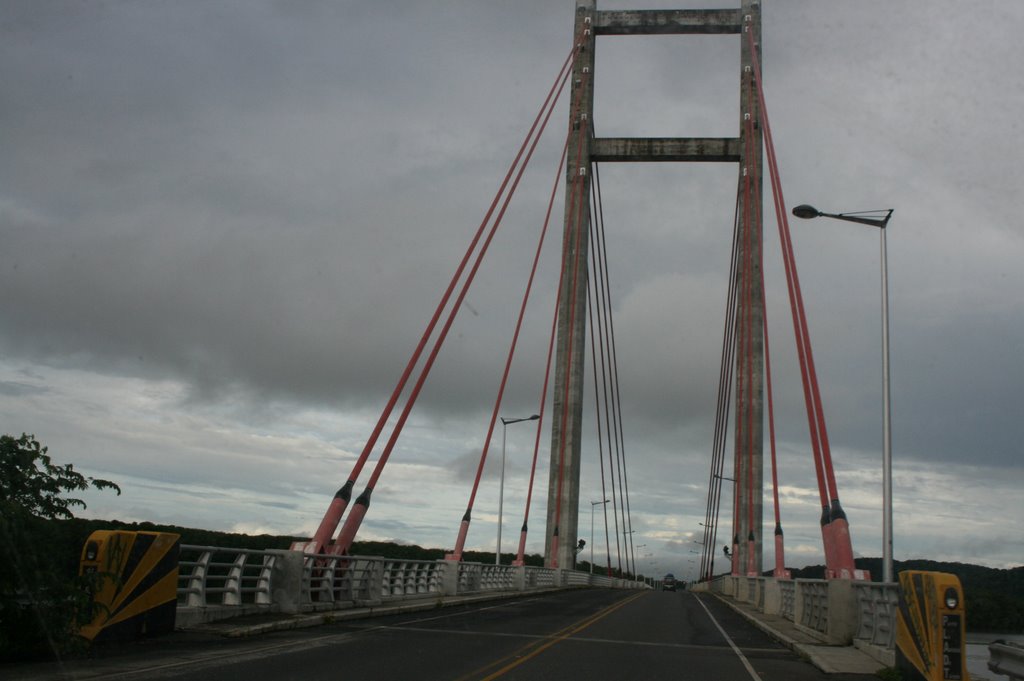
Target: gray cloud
x=227 y=224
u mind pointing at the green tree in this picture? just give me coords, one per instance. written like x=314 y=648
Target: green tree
x=41 y=595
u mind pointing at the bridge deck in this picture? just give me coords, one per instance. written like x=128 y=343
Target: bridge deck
x=591 y=633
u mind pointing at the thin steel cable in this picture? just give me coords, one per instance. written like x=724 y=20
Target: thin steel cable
x=722 y=409
x=613 y=355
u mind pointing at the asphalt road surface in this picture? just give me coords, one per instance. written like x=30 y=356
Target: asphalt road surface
x=589 y=634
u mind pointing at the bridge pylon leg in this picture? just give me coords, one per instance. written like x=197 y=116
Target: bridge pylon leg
x=567 y=400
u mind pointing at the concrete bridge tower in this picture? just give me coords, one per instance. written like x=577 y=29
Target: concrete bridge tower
x=584 y=150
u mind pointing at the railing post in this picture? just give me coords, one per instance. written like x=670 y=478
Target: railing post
x=326 y=584
x=843 y=613
x=197 y=582
x=265 y=580
x=370 y=575
x=233 y=584
x=285 y=581
x=519 y=578
x=772 y=596
x=449 y=570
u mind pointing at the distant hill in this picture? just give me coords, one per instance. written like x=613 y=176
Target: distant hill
x=75 y=531
x=994 y=597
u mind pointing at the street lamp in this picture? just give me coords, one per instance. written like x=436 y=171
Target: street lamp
x=501 y=488
x=592 y=505
x=876 y=219
x=637 y=548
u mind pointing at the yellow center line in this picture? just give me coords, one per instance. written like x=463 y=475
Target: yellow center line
x=531 y=650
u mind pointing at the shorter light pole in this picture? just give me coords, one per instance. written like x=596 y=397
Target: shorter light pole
x=875 y=219
x=592 y=505
x=501 y=488
x=627 y=541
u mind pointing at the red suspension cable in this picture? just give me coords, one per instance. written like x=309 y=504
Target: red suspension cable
x=547 y=365
x=466 y=518
x=838 y=528
x=340 y=501
x=355 y=517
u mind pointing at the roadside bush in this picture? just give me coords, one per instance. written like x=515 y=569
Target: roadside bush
x=42 y=598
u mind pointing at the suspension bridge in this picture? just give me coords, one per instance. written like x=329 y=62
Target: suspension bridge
x=582 y=365
x=596 y=632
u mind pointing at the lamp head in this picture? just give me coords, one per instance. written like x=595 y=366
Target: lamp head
x=806 y=212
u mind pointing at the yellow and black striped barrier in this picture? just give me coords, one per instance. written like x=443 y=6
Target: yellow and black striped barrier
x=135 y=586
x=931 y=627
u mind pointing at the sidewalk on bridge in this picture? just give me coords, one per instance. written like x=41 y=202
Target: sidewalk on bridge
x=829 y=659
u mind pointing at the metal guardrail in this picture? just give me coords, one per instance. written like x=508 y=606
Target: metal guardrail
x=209 y=575
x=1006 y=659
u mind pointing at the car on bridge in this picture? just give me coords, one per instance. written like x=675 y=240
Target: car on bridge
x=668 y=582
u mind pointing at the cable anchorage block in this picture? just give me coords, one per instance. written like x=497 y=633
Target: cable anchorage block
x=583 y=172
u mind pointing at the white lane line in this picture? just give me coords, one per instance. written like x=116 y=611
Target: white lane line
x=743 y=658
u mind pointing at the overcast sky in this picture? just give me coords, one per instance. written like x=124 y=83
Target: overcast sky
x=224 y=225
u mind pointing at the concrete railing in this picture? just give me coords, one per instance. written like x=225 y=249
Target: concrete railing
x=1006 y=659
x=836 y=611
x=812 y=603
x=787 y=595
x=218 y=583
x=877 y=604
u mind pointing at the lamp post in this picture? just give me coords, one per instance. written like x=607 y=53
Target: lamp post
x=876 y=219
x=592 y=505
x=636 y=570
x=627 y=541
x=501 y=488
